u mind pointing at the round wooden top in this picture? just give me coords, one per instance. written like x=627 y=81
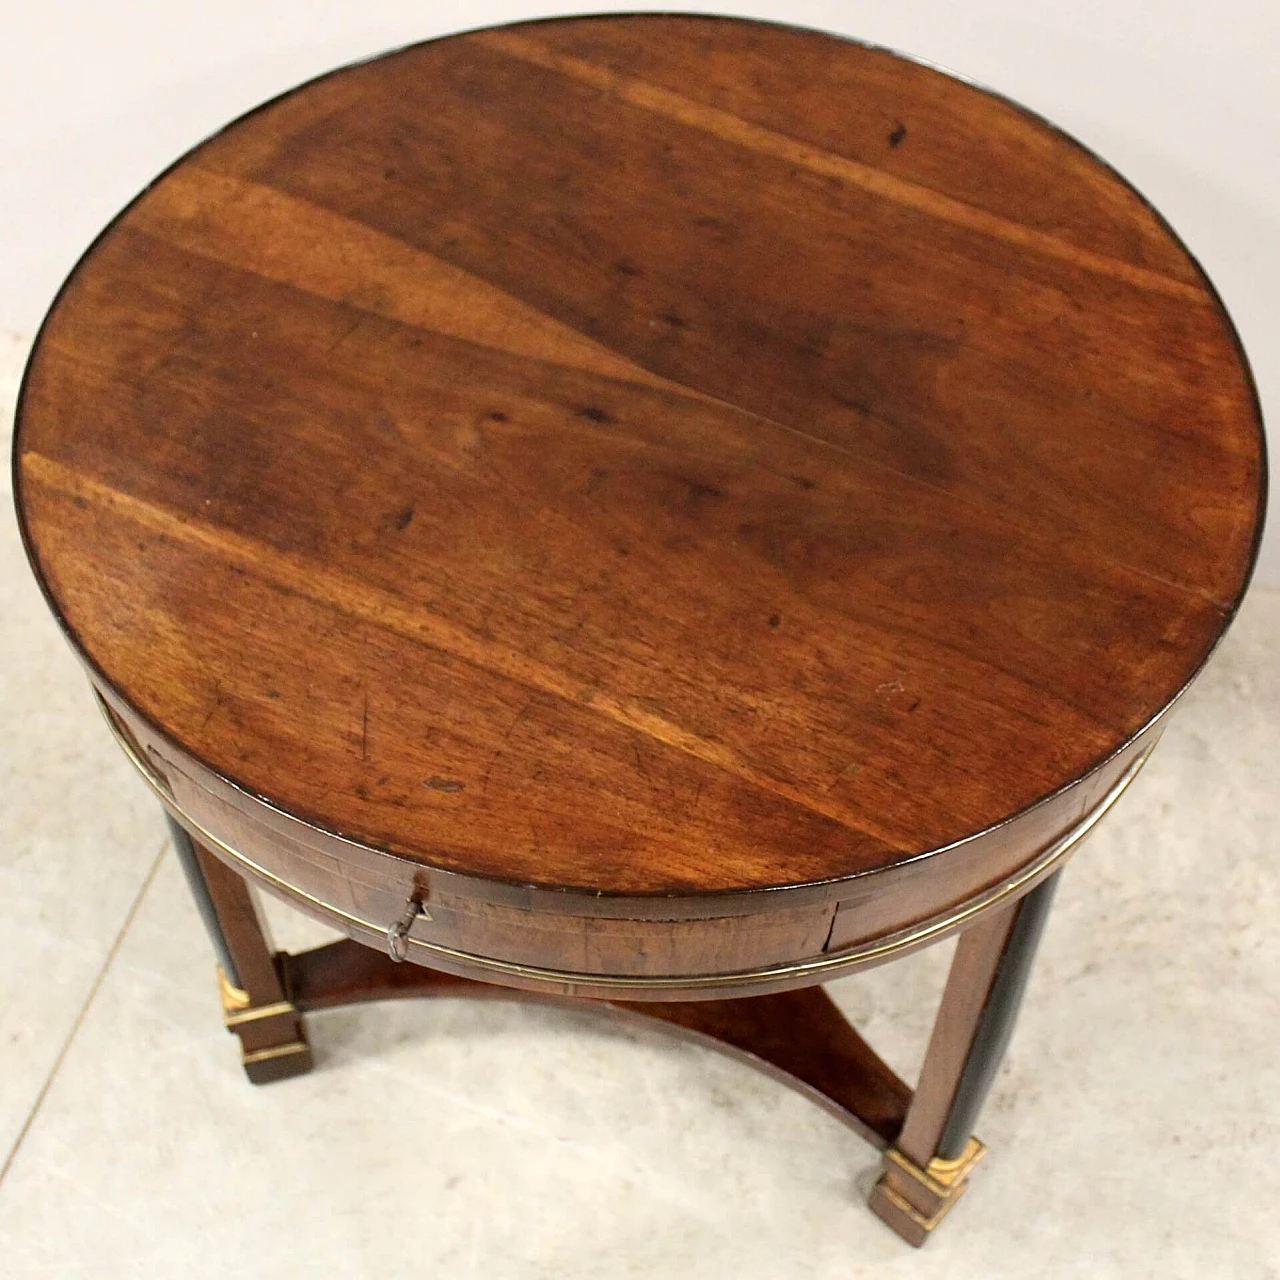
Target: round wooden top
x=642 y=454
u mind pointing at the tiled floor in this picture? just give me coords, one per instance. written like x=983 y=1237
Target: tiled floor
x=1134 y=1129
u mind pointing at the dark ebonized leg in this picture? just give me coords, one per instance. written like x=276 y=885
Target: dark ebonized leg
x=256 y=1005
x=926 y=1169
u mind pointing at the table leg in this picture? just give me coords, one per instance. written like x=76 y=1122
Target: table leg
x=926 y=1169
x=256 y=1004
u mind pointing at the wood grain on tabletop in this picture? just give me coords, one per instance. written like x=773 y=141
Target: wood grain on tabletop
x=651 y=454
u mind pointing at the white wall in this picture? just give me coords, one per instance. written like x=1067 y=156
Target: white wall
x=1183 y=96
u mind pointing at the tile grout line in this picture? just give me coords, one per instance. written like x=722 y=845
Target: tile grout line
x=83 y=1011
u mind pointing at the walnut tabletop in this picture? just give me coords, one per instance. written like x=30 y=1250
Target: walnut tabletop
x=660 y=509
x=626 y=465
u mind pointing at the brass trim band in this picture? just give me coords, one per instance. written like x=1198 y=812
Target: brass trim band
x=821 y=966
x=233 y=1020
x=940 y=1176
x=926 y=1224
x=276 y=1051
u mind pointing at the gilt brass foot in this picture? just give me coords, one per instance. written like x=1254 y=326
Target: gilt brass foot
x=273 y=1037
x=913 y=1200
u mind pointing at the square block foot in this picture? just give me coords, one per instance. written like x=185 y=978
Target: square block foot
x=912 y=1201
x=279 y=1062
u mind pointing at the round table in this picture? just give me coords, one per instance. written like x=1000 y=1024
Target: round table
x=659 y=509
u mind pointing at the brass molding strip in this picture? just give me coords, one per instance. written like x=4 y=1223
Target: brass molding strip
x=904 y=1206
x=279 y=1051
x=822 y=966
x=256 y=1015
x=940 y=1176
